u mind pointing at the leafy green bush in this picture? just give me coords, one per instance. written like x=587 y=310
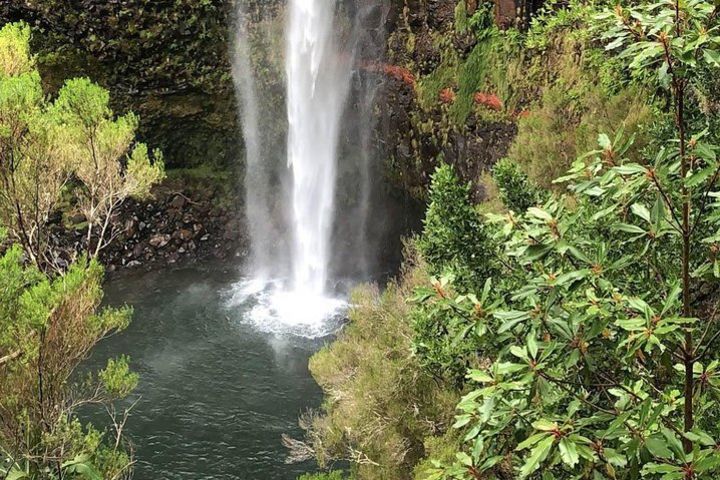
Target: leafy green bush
x=47 y=327
x=516 y=191
x=454 y=239
x=49 y=323
x=599 y=333
x=47 y=145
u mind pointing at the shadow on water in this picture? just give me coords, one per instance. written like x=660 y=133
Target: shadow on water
x=215 y=395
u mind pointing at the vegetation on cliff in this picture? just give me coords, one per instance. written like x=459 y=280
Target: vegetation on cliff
x=583 y=341
x=71 y=147
x=480 y=93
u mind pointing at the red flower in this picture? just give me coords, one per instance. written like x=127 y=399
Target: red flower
x=447 y=95
x=489 y=100
x=400 y=73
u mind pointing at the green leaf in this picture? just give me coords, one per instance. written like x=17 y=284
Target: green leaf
x=614 y=458
x=698 y=436
x=539 y=213
x=630 y=169
x=700 y=176
x=663 y=468
x=658 y=447
x=537 y=456
x=604 y=141
x=530 y=441
x=712 y=57
x=641 y=211
x=568 y=452
x=532 y=345
x=480 y=376
x=461 y=421
x=545 y=425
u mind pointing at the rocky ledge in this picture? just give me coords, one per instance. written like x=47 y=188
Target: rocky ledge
x=183 y=222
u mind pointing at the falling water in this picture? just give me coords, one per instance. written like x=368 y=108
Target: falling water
x=244 y=78
x=301 y=241
x=317 y=84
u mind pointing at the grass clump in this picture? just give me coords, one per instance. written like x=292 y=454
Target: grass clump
x=380 y=405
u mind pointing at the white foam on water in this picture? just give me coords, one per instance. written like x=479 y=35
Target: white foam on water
x=270 y=308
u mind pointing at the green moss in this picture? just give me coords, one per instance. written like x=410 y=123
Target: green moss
x=472 y=77
x=444 y=76
x=410 y=43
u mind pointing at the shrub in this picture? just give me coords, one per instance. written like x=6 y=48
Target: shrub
x=516 y=191
x=44 y=146
x=47 y=327
x=454 y=238
x=599 y=334
x=380 y=405
x=49 y=322
x=570 y=114
x=568 y=91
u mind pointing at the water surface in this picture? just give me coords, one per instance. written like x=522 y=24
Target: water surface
x=215 y=393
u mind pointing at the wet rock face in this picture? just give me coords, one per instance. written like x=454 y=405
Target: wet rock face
x=176 y=227
x=181 y=224
x=416 y=136
x=166 y=61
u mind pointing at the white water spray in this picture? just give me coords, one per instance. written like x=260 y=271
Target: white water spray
x=317 y=85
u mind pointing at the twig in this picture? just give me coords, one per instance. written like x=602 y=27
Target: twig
x=10 y=357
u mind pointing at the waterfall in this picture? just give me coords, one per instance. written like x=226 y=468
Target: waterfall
x=298 y=234
x=244 y=79
x=317 y=84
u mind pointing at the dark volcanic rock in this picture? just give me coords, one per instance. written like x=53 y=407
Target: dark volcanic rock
x=164 y=230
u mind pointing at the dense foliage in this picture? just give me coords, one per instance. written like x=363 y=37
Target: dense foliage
x=517 y=192
x=599 y=334
x=453 y=235
x=72 y=144
x=50 y=315
x=47 y=327
x=583 y=337
x=381 y=404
